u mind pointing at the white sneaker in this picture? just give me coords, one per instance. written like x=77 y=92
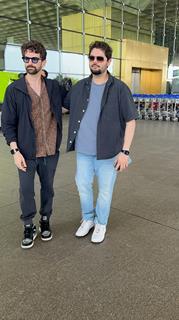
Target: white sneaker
x=84 y=228
x=98 y=233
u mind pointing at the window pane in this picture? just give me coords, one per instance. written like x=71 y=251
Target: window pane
x=145 y=18
x=94 y=25
x=169 y=38
x=145 y=36
x=107 y=28
x=108 y=12
x=42 y=12
x=130 y=32
x=115 y=30
x=13 y=10
x=130 y=16
x=116 y=12
x=72 y=63
x=12 y=31
x=116 y=68
x=76 y=4
x=176 y=56
x=92 y=5
x=46 y=35
x=115 y=46
x=72 y=21
x=159 y=34
x=88 y=40
x=72 y=42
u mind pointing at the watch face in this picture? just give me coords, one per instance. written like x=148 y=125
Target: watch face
x=13 y=151
x=126 y=152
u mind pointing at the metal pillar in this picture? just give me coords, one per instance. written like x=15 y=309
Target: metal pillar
x=83 y=35
x=164 y=23
x=28 y=20
x=59 y=45
x=175 y=31
x=138 y=21
x=152 y=23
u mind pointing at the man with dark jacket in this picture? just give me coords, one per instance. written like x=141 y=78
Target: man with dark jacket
x=32 y=126
x=101 y=129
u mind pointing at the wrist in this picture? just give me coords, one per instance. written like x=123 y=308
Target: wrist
x=14 y=151
x=125 y=151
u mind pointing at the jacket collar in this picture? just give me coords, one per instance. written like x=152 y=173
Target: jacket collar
x=20 y=84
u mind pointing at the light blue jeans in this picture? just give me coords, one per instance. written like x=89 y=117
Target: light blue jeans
x=87 y=168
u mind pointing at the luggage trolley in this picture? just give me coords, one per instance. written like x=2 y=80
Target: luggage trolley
x=177 y=106
x=141 y=105
x=140 y=101
x=152 y=107
x=146 y=113
x=172 y=109
x=137 y=103
x=165 y=107
x=157 y=107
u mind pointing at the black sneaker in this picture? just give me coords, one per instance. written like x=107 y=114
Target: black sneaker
x=30 y=234
x=46 y=233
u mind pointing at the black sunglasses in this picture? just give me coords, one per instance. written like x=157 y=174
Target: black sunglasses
x=98 y=58
x=33 y=59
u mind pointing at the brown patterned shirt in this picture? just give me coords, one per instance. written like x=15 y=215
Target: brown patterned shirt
x=44 y=122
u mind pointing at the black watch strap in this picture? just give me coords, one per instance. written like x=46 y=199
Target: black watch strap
x=126 y=152
x=13 y=151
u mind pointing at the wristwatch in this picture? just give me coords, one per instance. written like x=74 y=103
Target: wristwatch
x=126 y=152
x=13 y=151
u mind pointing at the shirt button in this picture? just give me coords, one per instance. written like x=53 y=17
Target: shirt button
x=74 y=131
x=79 y=121
x=83 y=110
x=70 y=141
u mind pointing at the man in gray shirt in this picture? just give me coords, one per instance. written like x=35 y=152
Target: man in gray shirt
x=101 y=129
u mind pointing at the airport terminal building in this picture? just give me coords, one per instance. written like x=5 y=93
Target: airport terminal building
x=134 y=273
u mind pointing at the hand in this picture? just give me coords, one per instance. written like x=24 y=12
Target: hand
x=20 y=161
x=121 y=162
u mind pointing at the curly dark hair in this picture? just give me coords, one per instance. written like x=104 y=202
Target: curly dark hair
x=103 y=46
x=34 y=46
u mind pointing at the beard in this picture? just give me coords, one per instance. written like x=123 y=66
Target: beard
x=95 y=71
x=32 y=70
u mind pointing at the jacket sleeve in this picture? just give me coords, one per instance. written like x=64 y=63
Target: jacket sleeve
x=66 y=102
x=63 y=93
x=127 y=105
x=9 y=117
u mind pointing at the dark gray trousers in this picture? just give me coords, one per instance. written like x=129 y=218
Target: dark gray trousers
x=45 y=168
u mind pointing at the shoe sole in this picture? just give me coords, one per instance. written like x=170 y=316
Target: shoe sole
x=95 y=242
x=31 y=245
x=46 y=239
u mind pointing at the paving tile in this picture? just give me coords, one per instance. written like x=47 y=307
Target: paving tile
x=132 y=275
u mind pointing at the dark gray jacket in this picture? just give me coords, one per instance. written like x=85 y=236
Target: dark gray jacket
x=17 y=124
x=117 y=108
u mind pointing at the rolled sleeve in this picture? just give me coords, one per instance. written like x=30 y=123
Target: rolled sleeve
x=127 y=105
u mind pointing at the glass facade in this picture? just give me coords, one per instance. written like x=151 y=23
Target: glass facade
x=69 y=26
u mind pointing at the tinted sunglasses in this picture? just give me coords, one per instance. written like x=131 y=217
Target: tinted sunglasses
x=98 y=58
x=33 y=59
